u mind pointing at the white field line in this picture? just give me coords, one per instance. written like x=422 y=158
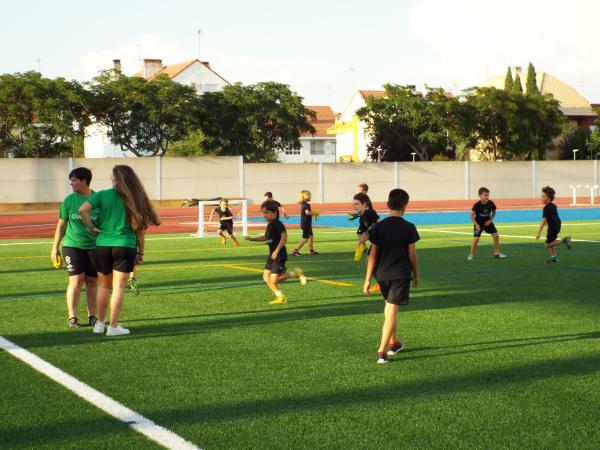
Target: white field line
x=139 y=423
x=441 y=230
x=533 y=225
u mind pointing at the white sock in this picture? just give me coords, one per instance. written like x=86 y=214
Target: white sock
x=292 y=274
x=278 y=293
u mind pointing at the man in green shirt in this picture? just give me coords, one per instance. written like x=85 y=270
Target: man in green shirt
x=77 y=247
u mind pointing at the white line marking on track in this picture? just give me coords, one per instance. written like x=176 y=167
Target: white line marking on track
x=139 y=423
x=8 y=227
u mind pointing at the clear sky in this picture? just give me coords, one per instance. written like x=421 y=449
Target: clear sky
x=324 y=49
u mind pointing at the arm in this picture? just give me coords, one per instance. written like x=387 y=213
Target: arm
x=370 y=268
x=61 y=227
x=211 y=215
x=140 y=237
x=542 y=225
x=257 y=238
x=283 y=211
x=414 y=263
x=84 y=213
x=473 y=220
x=363 y=238
x=282 y=242
x=492 y=217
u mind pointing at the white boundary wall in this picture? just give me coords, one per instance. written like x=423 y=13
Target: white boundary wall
x=45 y=180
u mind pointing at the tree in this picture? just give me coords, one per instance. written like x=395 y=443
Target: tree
x=405 y=121
x=257 y=121
x=143 y=116
x=531 y=87
x=517 y=87
x=575 y=138
x=41 y=117
x=508 y=80
x=191 y=145
x=594 y=142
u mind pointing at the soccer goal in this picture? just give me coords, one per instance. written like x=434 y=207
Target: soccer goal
x=592 y=189
x=238 y=207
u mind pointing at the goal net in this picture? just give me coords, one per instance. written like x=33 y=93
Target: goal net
x=237 y=206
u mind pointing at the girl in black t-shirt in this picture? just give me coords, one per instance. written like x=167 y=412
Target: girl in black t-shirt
x=306 y=218
x=367 y=218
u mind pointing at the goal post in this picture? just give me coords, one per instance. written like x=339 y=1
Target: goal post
x=591 y=188
x=240 y=219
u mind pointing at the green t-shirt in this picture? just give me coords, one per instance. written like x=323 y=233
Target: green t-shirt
x=114 y=227
x=77 y=234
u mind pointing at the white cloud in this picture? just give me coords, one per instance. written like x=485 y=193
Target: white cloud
x=474 y=39
x=155 y=46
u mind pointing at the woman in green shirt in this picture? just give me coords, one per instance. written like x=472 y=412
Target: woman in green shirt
x=125 y=213
x=77 y=247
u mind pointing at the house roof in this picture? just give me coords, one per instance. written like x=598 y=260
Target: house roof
x=371 y=93
x=572 y=104
x=325 y=119
x=173 y=70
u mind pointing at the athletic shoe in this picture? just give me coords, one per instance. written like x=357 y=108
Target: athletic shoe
x=116 y=331
x=236 y=244
x=92 y=321
x=313 y=253
x=279 y=300
x=360 y=249
x=98 y=328
x=470 y=258
x=382 y=358
x=567 y=242
x=551 y=260
x=500 y=256
x=135 y=289
x=295 y=253
x=73 y=323
x=224 y=241
x=393 y=349
x=299 y=273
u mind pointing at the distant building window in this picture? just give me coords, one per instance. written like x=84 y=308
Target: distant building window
x=293 y=151
x=317 y=147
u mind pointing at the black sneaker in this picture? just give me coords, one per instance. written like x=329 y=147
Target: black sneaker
x=392 y=350
x=567 y=242
x=92 y=321
x=73 y=323
x=382 y=358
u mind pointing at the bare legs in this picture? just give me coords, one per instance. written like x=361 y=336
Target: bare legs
x=74 y=293
x=273 y=279
x=389 y=332
x=495 y=238
x=303 y=242
x=117 y=282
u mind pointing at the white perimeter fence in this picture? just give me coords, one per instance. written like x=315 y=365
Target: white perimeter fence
x=45 y=180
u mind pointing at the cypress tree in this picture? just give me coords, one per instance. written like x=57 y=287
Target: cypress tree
x=508 y=80
x=531 y=87
x=517 y=86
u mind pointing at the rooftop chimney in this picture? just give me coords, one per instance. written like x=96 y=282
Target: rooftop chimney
x=117 y=65
x=151 y=67
x=205 y=63
x=518 y=70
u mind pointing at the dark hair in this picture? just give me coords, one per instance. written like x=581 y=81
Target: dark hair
x=270 y=205
x=398 y=199
x=364 y=187
x=82 y=173
x=549 y=192
x=364 y=199
x=482 y=190
x=139 y=208
x=268 y=194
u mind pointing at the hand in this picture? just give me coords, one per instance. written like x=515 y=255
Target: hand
x=415 y=283
x=274 y=255
x=537 y=236
x=477 y=227
x=367 y=287
x=139 y=259
x=54 y=254
x=94 y=231
x=286 y=216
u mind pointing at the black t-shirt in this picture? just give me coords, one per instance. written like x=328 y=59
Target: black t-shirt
x=275 y=229
x=551 y=216
x=222 y=214
x=367 y=220
x=483 y=212
x=305 y=220
x=392 y=236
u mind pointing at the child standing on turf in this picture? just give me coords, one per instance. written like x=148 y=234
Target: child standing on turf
x=482 y=216
x=368 y=217
x=393 y=257
x=306 y=217
x=225 y=221
x=552 y=220
x=276 y=238
x=269 y=196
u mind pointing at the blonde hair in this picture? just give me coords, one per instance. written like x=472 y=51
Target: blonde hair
x=140 y=212
x=304 y=196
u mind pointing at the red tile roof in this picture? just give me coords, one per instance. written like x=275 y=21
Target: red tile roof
x=324 y=120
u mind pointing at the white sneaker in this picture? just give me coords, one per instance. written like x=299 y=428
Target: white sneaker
x=470 y=258
x=500 y=256
x=98 y=328
x=116 y=331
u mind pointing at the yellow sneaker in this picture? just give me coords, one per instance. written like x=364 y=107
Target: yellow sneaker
x=299 y=274
x=360 y=249
x=279 y=300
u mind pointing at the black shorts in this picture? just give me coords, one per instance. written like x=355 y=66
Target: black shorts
x=276 y=265
x=307 y=232
x=227 y=225
x=552 y=235
x=395 y=292
x=490 y=229
x=79 y=261
x=121 y=259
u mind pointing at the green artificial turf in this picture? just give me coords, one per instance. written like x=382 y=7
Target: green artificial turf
x=500 y=353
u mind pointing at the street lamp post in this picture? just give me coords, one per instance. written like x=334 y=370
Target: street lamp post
x=413 y=155
x=575 y=150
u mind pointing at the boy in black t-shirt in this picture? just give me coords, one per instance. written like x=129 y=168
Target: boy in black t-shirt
x=276 y=237
x=269 y=196
x=363 y=188
x=482 y=216
x=551 y=218
x=392 y=260
x=306 y=218
x=225 y=222
x=367 y=218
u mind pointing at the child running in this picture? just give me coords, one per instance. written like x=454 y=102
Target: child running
x=276 y=237
x=306 y=217
x=552 y=220
x=368 y=217
x=482 y=216
x=225 y=221
x=280 y=208
x=363 y=188
x=393 y=257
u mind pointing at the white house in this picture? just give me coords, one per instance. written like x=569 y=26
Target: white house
x=195 y=73
x=320 y=147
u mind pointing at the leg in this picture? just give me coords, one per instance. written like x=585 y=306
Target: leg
x=267 y=280
x=301 y=244
x=119 y=281
x=496 y=238
x=91 y=290
x=474 y=246
x=233 y=238
x=73 y=293
x=389 y=326
x=102 y=293
x=311 y=243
